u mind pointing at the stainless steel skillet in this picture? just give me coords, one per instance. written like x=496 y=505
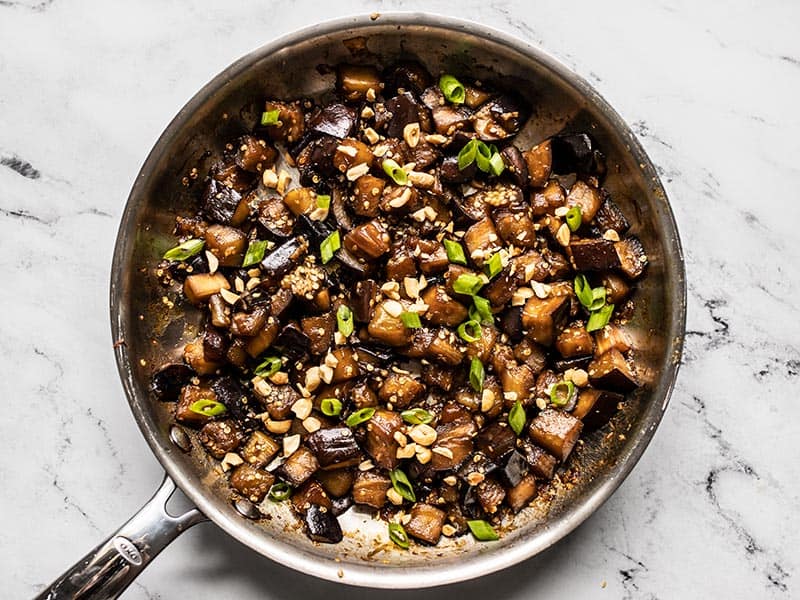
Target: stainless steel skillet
x=147 y=331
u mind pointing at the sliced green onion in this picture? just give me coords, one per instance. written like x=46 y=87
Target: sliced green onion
x=359 y=417
x=402 y=485
x=496 y=164
x=470 y=331
x=455 y=252
x=331 y=407
x=466 y=156
x=410 y=320
x=323 y=201
x=269 y=367
x=398 y=535
x=574 y=218
x=483 y=156
x=494 y=265
x=583 y=290
x=598 y=298
x=185 y=250
x=482 y=531
x=344 y=320
x=600 y=318
x=207 y=408
x=476 y=374
x=516 y=417
x=330 y=245
x=416 y=416
x=279 y=492
x=481 y=310
x=452 y=89
x=395 y=171
x=561 y=393
x=467 y=284
x=270 y=117
x=255 y=252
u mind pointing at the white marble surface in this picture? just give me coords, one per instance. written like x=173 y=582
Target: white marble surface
x=712 y=90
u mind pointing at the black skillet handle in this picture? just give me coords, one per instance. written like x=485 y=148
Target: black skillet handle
x=109 y=569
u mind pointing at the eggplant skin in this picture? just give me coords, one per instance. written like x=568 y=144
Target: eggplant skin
x=167 y=382
x=333 y=445
x=322 y=525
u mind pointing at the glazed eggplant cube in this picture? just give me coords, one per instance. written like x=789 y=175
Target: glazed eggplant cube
x=442 y=308
x=490 y=495
x=275 y=217
x=548 y=200
x=199 y=288
x=400 y=390
x=334 y=447
x=432 y=257
x=259 y=449
x=595 y=254
x=167 y=383
x=337 y=482
x=322 y=525
x=254 y=155
x=251 y=482
x=283 y=259
x=221 y=437
x=515 y=469
x=370 y=487
x=542 y=463
x=632 y=257
x=367 y=194
x=481 y=240
x=319 y=330
x=539 y=160
x=596 y=407
x=354 y=81
x=475 y=468
x=496 y=440
x=556 y=431
x=221 y=203
x=426 y=523
x=515 y=228
x=516 y=165
x=308 y=494
x=455 y=438
x=500 y=118
x=482 y=348
x=194 y=355
x=227 y=244
x=400 y=111
x=388 y=328
x=336 y=120
x=520 y=495
x=610 y=216
x=347 y=366
x=574 y=341
x=518 y=382
x=369 y=240
x=443 y=346
x=586 y=197
x=299 y=466
x=188 y=396
x=381 y=445
x=611 y=337
x=290 y=125
x=611 y=371
x=545 y=318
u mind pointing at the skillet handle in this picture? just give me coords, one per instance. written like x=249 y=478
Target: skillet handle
x=111 y=567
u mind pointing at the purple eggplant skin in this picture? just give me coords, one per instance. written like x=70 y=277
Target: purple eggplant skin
x=515 y=469
x=511 y=323
x=220 y=201
x=292 y=341
x=516 y=167
x=234 y=396
x=577 y=153
x=478 y=462
x=450 y=173
x=333 y=445
x=404 y=110
x=283 y=259
x=334 y=119
x=470 y=504
x=576 y=362
x=322 y=525
x=215 y=344
x=315 y=160
x=341 y=505
x=167 y=382
x=362 y=300
x=407 y=75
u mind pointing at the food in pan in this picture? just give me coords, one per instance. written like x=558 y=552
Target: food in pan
x=404 y=309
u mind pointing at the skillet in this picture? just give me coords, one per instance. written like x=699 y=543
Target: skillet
x=148 y=333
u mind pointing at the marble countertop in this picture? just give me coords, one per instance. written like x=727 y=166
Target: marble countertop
x=711 y=90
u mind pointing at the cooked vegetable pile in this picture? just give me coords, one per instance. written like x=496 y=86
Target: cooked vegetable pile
x=403 y=310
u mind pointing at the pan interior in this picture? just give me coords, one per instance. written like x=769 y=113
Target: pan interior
x=154 y=332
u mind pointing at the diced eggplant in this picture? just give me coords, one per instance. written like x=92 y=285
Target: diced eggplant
x=632 y=257
x=194 y=355
x=234 y=396
x=249 y=324
x=275 y=218
x=369 y=240
x=354 y=81
x=426 y=523
x=188 y=396
x=387 y=327
x=490 y=495
x=448 y=119
x=336 y=482
x=351 y=152
x=612 y=371
x=577 y=153
x=231 y=176
x=334 y=447
x=543 y=464
x=322 y=526
x=220 y=311
x=532 y=354
x=496 y=440
x=511 y=323
x=501 y=289
x=401 y=263
x=576 y=362
x=574 y=341
x=283 y=259
x=290 y=125
x=190 y=226
x=443 y=346
x=300 y=200
x=292 y=341
x=254 y=155
x=442 y=308
x=515 y=469
x=400 y=111
x=370 y=487
x=339 y=506
x=556 y=431
x=545 y=318
x=423 y=155
x=366 y=198
x=337 y=120
x=221 y=437
x=455 y=436
x=251 y=482
x=518 y=382
x=596 y=407
x=483 y=347
x=363 y=396
x=481 y=241
x=438 y=376
x=595 y=254
x=400 y=200
x=167 y=382
x=259 y=449
x=237 y=353
x=515 y=227
x=319 y=330
x=199 y=288
x=280 y=302
x=262 y=340
x=500 y=118
x=516 y=165
x=611 y=337
x=539 y=161
x=610 y=216
x=476 y=468
x=450 y=173
x=548 y=200
x=519 y=496
x=299 y=466
x=363 y=299
x=617 y=288
x=339 y=209
x=381 y=445
x=407 y=75
x=227 y=244
x=221 y=203
x=310 y=493
x=278 y=400
x=433 y=257
x=400 y=390
x=315 y=160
